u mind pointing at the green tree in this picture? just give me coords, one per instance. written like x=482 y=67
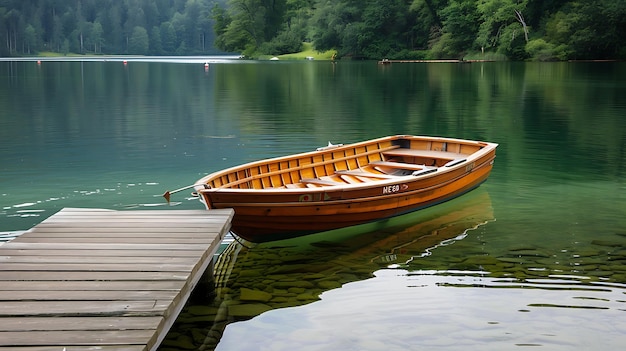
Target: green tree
x=139 y=41
x=285 y=42
x=427 y=24
x=112 y=26
x=203 y=27
x=3 y=31
x=589 y=30
x=501 y=22
x=274 y=17
x=155 y=41
x=81 y=27
x=55 y=38
x=248 y=23
x=97 y=37
x=179 y=22
x=221 y=20
x=12 y=19
x=428 y=10
x=335 y=26
x=246 y=30
x=30 y=39
x=548 y=29
x=65 y=47
x=460 y=26
x=168 y=38
x=297 y=16
x=294 y=30
x=194 y=27
x=370 y=29
x=385 y=26
x=151 y=13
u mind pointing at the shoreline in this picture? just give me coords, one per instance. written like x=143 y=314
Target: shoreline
x=124 y=58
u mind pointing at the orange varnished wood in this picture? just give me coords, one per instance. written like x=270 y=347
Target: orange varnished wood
x=345 y=185
x=309 y=167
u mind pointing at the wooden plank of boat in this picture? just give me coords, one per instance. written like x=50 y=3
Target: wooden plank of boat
x=444 y=155
x=399 y=165
x=361 y=173
x=319 y=181
x=350 y=179
x=405 y=168
x=311 y=165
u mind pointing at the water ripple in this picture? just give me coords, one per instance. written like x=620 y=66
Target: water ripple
x=451 y=310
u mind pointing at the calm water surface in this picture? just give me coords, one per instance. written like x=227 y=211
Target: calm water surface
x=535 y=257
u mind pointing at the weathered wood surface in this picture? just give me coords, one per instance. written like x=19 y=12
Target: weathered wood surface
x=87 y=279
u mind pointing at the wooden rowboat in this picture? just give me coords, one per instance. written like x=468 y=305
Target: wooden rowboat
x=344 y=185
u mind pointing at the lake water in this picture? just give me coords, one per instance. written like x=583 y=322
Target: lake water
x=535 y=257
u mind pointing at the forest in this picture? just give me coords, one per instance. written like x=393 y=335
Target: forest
x=137 y=27
x=544 y=30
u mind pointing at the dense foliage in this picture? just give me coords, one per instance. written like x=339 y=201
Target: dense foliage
x=156 y=27
x=513 y=29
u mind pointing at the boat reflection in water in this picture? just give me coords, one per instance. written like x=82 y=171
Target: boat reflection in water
x=251 y=279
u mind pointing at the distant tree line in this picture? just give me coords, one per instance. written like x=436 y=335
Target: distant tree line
x=375 y=29
x=155 y=27
x=371 y=29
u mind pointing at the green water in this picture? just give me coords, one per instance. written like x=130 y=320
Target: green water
x=535 y=257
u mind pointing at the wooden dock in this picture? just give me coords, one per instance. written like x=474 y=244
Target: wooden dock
x=87 y=279
x=388 y=62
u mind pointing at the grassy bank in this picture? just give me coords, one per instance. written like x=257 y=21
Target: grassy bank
x=307 y=51
x=58 y=54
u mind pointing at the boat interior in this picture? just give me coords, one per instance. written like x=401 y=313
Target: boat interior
x=338 y=165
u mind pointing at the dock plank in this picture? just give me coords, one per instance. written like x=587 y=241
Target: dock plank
x=69 y=275
x=122 y=253
x=135 y=240
x=77 y=337
x=14 y=245
x=96 y=259
x=94 y=267
x=21 y=324
x=113 y=232
x=94 y=279
x=80 y=348
x=84 y=308
x=76 y=295
x=91 y=285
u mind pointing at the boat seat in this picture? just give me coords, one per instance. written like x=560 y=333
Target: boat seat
x=295 y=186
x=425 y=171
x=454 y=162
x=444 y=155
x=399 y=165
x=359 y=173
x=352 y=179
x=317 y=181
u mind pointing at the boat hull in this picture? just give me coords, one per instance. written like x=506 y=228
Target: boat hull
x=279 y=213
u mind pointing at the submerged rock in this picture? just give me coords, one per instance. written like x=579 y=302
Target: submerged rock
x=481 y=260
x=307 y=297
x=329 y=284
x=607 y=243
x=200 y=310
x=254 y=295
x=248 y=310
